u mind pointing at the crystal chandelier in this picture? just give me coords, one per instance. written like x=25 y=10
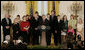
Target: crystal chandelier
x=8 y=7
x=76 y=7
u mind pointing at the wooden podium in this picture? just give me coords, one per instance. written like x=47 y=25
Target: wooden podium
x=43 y=30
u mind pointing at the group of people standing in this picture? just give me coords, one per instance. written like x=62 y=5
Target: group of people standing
x=28 y=27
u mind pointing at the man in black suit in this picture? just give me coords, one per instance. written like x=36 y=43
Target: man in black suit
x=6 y=23
x=35 y=22
x=52 y=19
x=40 y=18
x=58 y=29
x=46 y=21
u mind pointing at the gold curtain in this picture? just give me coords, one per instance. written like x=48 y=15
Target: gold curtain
x=28 y=6
x=50 y=6
x=34 y=4
x=57 y=7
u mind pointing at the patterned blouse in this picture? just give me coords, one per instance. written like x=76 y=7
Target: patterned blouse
x=72 y=23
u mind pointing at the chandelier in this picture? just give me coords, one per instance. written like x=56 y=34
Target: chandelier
x=76 y=7
x=8 y=7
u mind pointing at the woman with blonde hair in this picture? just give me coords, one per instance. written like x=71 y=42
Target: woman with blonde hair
x=80 y=29
x=16 y=30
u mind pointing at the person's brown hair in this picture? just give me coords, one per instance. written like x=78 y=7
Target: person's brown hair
x=23 y=17
x=18 y=15
x=53 y=11
x=70 y=27
x=63 y=17
x=27 y=15
x=72 y=16
x=36 y=12
x=48 y=14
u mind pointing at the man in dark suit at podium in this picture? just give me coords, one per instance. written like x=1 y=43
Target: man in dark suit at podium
x=6 y=23
x=35 y=22
x=39 y=17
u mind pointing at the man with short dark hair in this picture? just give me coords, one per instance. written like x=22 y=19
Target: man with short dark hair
x=36 y=21
x=58 y=29
x=40 y=18
x=52 y=19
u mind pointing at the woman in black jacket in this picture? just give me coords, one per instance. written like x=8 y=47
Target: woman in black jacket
x=48 y=32
x=16 y=30
x=45 y=33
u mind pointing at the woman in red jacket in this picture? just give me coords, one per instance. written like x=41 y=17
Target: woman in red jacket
x=25 y=25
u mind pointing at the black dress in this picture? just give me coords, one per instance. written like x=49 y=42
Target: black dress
x=15 y=29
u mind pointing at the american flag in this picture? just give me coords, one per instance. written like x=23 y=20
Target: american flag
x=53 y=5
x=31 y=10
